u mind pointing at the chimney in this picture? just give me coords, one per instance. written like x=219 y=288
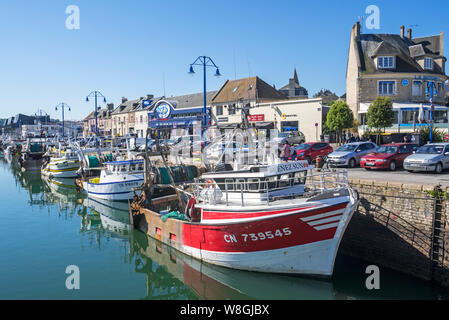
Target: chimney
x=150 y=96
x=124 y=99
x=409 y=33
x=110 y=106
x=402 y=31
x=357 y=29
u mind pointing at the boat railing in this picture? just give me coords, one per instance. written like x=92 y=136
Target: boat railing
x=240 y=190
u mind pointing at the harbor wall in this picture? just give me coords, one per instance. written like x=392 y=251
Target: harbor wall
x=401 y=227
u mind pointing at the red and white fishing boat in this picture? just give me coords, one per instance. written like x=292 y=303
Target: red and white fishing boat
x=277 y=218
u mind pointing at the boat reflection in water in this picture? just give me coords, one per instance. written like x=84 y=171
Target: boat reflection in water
x=114 y=216
x=214 y=282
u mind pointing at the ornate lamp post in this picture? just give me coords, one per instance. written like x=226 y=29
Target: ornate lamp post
x=204 y=62
x=96 y=94
x=62 y=106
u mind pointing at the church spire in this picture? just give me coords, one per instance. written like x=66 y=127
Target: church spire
x=295 y=76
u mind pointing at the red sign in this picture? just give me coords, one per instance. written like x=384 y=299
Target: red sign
x=256 y=117
x=446 y=137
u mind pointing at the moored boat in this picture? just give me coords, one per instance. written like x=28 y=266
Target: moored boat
x=116 y=182
x=277 y=218
x=61 y=164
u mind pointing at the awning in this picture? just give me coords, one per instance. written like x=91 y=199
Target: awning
x=404 y=106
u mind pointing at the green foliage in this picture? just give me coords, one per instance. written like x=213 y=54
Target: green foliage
x=340 y=116
x=380 y=113
x=437 y=135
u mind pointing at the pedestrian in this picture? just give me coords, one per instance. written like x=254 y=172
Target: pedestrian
x=285 y=154
x=405 y=139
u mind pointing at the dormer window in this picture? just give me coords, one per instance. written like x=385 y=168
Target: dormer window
x=386 y=62
x=428 y=63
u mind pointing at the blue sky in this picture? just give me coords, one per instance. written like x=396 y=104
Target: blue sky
x=127 y=48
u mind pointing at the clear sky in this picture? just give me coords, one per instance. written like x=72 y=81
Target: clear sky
x=127 y=48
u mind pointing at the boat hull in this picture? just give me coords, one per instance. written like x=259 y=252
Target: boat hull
x=303 y=241
x=61 y=170
x=115 y=191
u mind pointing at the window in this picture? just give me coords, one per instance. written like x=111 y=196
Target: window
x=417 y=88
x=230 y=184
x=428 y=63
x=219 y=110
x=232 y=109
x=440 y=89
x=404 y=149
x=387 y=88
x=385 y=62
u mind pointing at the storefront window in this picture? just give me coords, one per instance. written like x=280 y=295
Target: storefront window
x=289 y=126
x=232 y=109
x=440 y=116
x=409 y=116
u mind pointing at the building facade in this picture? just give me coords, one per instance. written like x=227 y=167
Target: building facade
x=236 y=94
x=178 y=116
x=401 y=67
x=268 y=108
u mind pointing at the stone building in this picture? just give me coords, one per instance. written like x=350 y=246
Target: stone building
x=401 y=67
x=293 y=90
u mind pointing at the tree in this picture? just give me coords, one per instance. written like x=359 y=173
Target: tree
x=339 y=117
x=380 y=114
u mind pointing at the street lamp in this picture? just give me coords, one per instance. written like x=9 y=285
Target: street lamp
x=96 y=94
x=63 y=105
x=205 y=62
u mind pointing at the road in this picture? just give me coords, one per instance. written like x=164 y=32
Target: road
x=401 y=176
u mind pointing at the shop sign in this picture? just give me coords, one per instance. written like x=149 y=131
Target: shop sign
x=163 y=111
x=223 y=119
x=256 y=117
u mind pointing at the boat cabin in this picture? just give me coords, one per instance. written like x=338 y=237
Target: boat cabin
x=255 y=185
x=123 y=167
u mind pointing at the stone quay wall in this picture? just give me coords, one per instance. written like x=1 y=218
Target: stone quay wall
x=396 y=226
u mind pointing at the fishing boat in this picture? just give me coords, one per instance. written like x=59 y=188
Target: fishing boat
x=61 y=164
x=116 y=181
x=32 y=155
x=264 y=218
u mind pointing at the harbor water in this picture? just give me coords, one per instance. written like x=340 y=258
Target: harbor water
x=46 y=226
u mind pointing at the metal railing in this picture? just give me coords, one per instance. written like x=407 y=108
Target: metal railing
x=306 y=183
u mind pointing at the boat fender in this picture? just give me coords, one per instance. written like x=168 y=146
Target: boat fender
x=190 y=208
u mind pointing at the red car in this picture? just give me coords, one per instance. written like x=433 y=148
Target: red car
x=311 y=150
x=388 y=156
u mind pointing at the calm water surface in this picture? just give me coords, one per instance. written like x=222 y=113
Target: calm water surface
x=46 y=226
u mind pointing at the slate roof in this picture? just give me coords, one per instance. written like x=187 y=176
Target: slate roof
x=127 y=106
x=191 y=100
x=252 y=88
x=405 y=50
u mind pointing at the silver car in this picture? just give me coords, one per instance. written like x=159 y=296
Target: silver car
x=430 y=157
x=350 y=154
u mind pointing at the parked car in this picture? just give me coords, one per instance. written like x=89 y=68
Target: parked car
x=291 y=137
x=430 y=157
x=350 y=153
x=388 y=156
x=310 y=151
